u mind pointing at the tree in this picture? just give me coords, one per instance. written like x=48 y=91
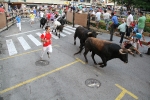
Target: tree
x=134 y=3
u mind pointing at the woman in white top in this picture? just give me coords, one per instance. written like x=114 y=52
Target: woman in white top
x=106 y=17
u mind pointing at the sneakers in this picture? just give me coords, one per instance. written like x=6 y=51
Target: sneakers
x=48 y=54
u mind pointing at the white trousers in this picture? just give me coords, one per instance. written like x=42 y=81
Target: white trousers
x=19 y=26
x=48 y=48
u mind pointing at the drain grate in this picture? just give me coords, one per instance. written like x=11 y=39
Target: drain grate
x=42 y=63
x=93 y=83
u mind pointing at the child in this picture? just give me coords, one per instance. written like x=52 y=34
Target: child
x=18 y=19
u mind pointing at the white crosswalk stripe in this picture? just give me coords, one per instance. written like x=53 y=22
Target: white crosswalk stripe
x=68 y=29
x=38 y=33
x=67 y=32
x=33 y=39
x=11 y=47
x=63 y=35
x=24 y=44
x=73 y=28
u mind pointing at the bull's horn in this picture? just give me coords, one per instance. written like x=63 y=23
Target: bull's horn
x=121 y=51
x=89 y=32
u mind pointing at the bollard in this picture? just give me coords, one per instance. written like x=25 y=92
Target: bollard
x=111 y=32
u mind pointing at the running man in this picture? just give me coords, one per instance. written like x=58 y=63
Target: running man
x=32 y=16
x=18 y=19
x=47 y=42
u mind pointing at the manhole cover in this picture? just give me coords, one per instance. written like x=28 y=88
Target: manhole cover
x=93 y=83
x=41 y=63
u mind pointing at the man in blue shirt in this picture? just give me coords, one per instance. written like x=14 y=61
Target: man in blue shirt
x=114 y=25
x=18 y=19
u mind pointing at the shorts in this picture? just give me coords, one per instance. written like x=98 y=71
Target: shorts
x=52 y=19
x=140 y=30
x=32 y=20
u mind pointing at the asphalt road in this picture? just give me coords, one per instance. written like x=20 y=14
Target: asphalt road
x=66 y=75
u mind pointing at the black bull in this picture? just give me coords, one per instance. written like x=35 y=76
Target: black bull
x=106 y=50
x=83 y=33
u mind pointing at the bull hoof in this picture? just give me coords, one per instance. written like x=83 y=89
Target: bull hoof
x=102 y=66
x=95 y=63
x=56 y=34
x=100 y=63
x=59 y=35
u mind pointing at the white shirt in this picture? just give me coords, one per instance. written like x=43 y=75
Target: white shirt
x=41 y=14
x=98 y=16
x=129 y=20
x=93 y=12
x=106 y=15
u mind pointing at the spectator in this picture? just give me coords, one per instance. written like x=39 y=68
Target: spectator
x=106 y=17
x=114 y=25
x=2 y=9
x=98 y=18
x=129 y=21
x=122 y=29
x=141 y=23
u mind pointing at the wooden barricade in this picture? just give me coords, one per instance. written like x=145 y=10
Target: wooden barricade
x=80 y=19
x=2 y=20
x=69 y=17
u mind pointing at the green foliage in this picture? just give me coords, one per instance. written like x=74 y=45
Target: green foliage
x=148 y=20
x=136 y=3
x=147 y=29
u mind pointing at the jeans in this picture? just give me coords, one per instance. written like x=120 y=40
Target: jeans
x=107 y=23
x=122 y=36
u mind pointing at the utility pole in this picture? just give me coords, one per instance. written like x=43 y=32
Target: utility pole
x=73 y=8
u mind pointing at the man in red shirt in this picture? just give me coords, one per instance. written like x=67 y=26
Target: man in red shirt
x=2 y=9
x=48 y=16
x=47 y=42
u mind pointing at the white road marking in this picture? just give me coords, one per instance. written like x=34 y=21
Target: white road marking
x=55 y=37
x=67 y=32
x=61 y=34
x=38 y=33
x=70 y=27
x=11 y=47
x=24 y=43
x=33 y=39
x=23 y=33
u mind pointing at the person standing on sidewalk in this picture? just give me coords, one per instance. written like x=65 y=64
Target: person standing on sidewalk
x=18 y=19
x=122 y=29
x=98 y=18
x=129 y=21
x=141 y=23
x=47 y=42
x=106 y=17
x=114 y=25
